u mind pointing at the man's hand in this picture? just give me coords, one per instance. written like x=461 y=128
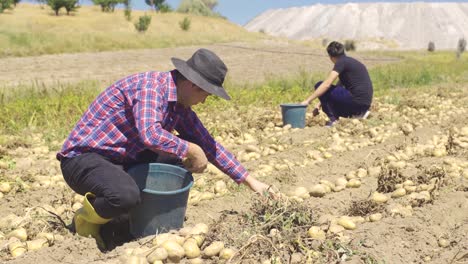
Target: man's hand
x=305 y=102
x=315 y=112
x=258 y=186
x=196 y=160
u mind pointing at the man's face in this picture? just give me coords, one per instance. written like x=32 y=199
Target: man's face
x=192 y=95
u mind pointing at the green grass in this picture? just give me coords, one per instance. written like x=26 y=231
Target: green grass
x=55 y=110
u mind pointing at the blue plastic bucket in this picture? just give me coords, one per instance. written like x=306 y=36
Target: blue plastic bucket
x=164 y=195
x=294 y=115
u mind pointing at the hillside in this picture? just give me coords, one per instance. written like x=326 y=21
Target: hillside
x=34 y=30
x=391 y=25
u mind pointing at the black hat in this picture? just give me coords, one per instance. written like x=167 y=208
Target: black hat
x=206 y=70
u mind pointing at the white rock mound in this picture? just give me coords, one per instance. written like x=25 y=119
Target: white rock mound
x=396 y=25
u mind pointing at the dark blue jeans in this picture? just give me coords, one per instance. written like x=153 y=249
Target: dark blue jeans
x=338 y=102
x=116 y=191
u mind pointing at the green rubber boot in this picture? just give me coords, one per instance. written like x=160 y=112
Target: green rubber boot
x=87 y=222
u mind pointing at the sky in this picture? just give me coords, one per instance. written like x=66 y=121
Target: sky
x=242 y=11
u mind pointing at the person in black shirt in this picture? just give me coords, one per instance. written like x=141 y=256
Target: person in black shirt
x=351 y=96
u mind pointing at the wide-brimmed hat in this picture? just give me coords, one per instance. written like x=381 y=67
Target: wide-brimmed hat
x=206 y=70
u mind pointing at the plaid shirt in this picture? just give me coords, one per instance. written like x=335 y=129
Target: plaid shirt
x=140 y=112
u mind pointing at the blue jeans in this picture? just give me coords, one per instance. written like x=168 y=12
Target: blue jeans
x=338 y=102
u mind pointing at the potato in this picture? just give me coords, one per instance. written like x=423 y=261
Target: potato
x=316 y=232
x=443 y=242
x=410 y=189
x=347 y=223
x=200 y=228
x=159 y=253
x=353 y=183
x=335 y=229
x=220 y=187
x=76 y=206
x=185 y=231
x=399 y=192
x=301 y=192
x=226 y=253
x=196 y=261
x=361 y=173
x=174 y=249
x=17 y=248
x=375 y=217
x=318 y=190
x=135 y=260
x=339 y=188
x=198 y=238
x=37 y=244
x=213 y=249
x=191 y=249
x=19 y=233
x=5 y=187
x=341 y=181
x=379 y=197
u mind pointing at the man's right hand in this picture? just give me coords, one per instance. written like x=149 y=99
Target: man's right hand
x=196 y=160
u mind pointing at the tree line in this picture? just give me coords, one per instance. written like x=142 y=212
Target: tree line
x=198 y=7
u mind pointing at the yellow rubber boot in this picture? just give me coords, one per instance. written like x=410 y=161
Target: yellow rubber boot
x=87 y=222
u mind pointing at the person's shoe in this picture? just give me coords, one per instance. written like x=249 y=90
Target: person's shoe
x=87 y=222
x=330 y=123
x=364 y=115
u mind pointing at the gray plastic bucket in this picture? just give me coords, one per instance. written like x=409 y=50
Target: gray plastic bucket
x=294 y=115
x=164 y=194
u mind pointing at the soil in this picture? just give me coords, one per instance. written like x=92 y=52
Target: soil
x=243 y=220
x=247 y=63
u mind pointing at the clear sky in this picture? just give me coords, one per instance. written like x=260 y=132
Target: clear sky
x=242 y=11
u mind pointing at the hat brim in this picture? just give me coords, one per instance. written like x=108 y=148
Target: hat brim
x=198 y=80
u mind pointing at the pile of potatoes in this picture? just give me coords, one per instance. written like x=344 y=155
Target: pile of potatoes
x=174 y=246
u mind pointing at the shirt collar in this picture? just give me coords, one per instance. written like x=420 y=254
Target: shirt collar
x=172 y=87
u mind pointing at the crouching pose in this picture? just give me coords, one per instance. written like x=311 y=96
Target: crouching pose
x=131 y=122
x=352 y=96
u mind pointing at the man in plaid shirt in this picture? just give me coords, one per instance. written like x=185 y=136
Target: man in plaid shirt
x=131 y=122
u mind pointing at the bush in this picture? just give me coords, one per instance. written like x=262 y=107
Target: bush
x=461 y=47
x=185 y=24
x=324 y=42
x=143 y=23
x=5 y=4
x=431 y=46
x=349 y=45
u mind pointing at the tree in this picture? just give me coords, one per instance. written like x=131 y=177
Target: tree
x=349 y=45
x=108 y=5
x=211 y=4
x=431 y=46
x=5 y=4
x=128 y=10
x=15 y=2
x=69 y=5
x=158 y=5
x=197 y=7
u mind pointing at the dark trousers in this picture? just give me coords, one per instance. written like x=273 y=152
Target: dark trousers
x=116 y=191
x=338 y=102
